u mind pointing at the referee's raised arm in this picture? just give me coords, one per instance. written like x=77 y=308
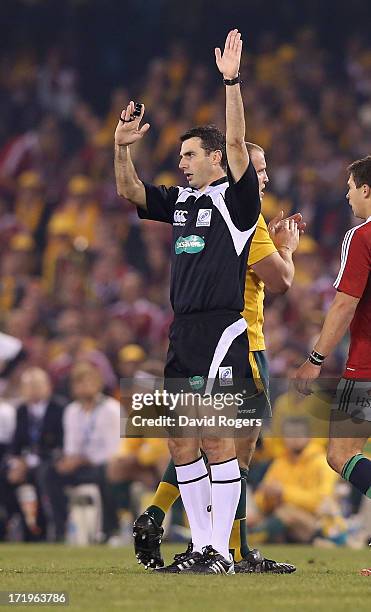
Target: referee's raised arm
x=229 y=65
x=127 y=132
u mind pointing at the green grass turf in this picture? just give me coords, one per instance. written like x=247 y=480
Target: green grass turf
x=104 y=579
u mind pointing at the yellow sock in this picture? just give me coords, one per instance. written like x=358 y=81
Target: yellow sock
x=165 y=496
x=235 y=540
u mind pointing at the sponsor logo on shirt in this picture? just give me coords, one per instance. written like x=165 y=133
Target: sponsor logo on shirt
x=204 y=217
x=180 y=217
x=196 y=382
x=362 y=402
x=225 y=376
x=189 y=244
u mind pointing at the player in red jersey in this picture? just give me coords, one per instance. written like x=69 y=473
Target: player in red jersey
x=350 y=425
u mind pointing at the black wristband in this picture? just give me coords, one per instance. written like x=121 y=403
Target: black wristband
x=234 y=81
x=316 y=358
x=314 y=361
x=317 y=355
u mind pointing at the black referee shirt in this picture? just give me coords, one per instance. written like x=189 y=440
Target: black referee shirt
x=212 y=232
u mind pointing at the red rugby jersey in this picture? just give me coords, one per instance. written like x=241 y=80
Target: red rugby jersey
x=354 y=279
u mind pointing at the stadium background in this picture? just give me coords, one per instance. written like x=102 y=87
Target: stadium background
x=93 y=284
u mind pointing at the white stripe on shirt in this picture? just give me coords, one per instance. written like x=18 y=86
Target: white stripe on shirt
x=345 y=251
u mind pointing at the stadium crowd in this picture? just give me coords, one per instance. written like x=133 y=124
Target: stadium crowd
x=84 y=285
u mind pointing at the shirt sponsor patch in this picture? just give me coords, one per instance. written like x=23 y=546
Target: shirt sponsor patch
x=189 y=244
x=225 y=376
x=204 y=217
x=196 y=382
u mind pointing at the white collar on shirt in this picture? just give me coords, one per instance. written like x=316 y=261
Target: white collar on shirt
x=37 y=409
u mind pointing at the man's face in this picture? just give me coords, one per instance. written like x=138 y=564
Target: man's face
x=35 y=388
x=295 y=436
x=86 y=383
x=357 y=198
x=86 y=387
x=197 y=165
x=258 y=161
x=296 y=445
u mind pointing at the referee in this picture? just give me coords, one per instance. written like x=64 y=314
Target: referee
x=213 y=220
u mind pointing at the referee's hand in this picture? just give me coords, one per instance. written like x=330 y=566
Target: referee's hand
x=229 y=62
x=128 y=130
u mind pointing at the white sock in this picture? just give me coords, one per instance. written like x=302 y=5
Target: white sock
x=225 y=493
x=195 y=489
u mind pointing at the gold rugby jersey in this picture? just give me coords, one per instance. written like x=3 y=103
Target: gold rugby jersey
x=261 y=246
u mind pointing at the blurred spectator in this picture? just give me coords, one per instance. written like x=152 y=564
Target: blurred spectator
x=146 y=458
x=291 y=495
x=38 y=438
x=57 y=84
x=40 y=150
x=7 y=426
x=130 y=359
x=31 y=209
x=143 y=316
x=91 y=439
x=80 y=212
x=71 y=345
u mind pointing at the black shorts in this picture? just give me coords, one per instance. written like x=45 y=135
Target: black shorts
x=209 y=353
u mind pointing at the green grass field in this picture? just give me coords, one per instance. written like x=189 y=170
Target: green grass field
x=104 y=579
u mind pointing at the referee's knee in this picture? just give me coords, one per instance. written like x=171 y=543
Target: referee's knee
x=183 y=450
x=218 y=449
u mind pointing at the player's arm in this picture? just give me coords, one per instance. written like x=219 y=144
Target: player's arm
x=277 y=269
x=350 y=283
x=127 y=133
x=229 y=66
x=334 y=328
x=336 y=322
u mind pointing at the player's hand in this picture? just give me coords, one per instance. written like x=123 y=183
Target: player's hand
x=285 y=234
x=229 y=62
x=278 y=222
x=128 y=132
x=304 y=376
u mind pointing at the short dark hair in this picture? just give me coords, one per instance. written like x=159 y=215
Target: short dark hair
x=361 y=171
x=212 y=139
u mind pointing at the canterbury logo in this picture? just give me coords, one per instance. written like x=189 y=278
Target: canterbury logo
x=180 y=217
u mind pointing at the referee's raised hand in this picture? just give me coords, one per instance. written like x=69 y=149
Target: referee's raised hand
x=229 y=62
x=128 y=130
